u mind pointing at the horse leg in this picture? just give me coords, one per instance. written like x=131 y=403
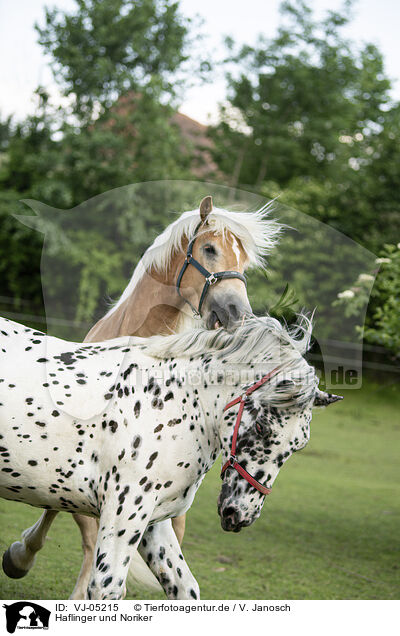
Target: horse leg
x=161 y=551
x=89 y=528
x=178 y=524
x=20 y=556
x=120 y=531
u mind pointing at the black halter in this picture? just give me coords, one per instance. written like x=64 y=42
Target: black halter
x=211 y=277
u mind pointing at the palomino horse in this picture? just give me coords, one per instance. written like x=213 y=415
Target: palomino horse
x=227 y=242
x=152 y=434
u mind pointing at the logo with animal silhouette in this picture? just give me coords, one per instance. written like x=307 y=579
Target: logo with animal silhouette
x=26 y=615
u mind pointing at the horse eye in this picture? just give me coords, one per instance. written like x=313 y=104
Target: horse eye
x=210 y=249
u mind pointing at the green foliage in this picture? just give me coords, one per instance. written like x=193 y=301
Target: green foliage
x=5 y=133
x=285 y=308
x=120 y=63
x=310 y=112
x=309 y=120
x=300 y=92
x=318 y=262
x=105 y=49
x=31 y=151
x=382 y=326
x=52 y=160
x=20 y=251
x=363 y=210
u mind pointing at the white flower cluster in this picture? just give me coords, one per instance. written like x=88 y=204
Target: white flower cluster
x=365 y=278
x=348 y=293
x=383 y=260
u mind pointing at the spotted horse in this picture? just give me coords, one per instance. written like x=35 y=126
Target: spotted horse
x=129 y=439
x=171 y=290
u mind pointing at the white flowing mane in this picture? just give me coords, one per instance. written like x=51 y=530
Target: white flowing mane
x=257 y=341
x=257 y=233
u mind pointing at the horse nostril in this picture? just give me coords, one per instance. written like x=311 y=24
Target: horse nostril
x=231 y=513
x=225 y=311
x=218 y=314
x=230 y=519
x=234 y=312
x=228 y=511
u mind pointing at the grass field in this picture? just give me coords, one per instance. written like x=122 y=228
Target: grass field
x=329 y=530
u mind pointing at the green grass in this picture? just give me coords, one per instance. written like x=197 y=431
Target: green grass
x=329 y=530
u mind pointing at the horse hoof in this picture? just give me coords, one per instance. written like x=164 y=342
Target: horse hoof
x=10 y=569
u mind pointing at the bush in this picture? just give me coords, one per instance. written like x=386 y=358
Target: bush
x=382 y=324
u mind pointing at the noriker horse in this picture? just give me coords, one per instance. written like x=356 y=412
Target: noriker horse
x=218 y=240
x=129 y=439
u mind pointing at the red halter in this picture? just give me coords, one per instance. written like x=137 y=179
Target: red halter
x=232 y=463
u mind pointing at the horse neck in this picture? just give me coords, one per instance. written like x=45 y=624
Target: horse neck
x=152 y=308
x=214 y=396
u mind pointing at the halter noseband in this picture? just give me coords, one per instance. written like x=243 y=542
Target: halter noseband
x=211 y=277
x=232 y=462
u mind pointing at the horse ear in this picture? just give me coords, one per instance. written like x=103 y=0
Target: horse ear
x=205 y=208
x=324 y=399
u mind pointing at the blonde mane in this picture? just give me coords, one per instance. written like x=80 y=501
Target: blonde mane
x=257 y=342
x=251 y=341
x=257 y=233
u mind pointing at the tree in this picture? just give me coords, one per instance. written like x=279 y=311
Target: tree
x=309 y=118
x=121 y=65
x=302 y=95
x=20 y=251
x=111 y=47
x=309 y=114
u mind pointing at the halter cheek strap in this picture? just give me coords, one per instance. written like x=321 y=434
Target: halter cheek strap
x=232 y=461
x=211 y=277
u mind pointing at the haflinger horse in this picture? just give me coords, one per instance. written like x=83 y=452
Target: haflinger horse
x=128 y=439
x=194 y=269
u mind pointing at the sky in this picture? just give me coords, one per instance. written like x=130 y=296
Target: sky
x=23 y=66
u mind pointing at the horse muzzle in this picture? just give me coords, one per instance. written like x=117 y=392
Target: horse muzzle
x=224 y=310
x=232 y=519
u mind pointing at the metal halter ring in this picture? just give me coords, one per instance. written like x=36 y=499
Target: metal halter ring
x=212 y=279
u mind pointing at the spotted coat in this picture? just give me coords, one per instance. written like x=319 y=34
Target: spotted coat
x=109 y=431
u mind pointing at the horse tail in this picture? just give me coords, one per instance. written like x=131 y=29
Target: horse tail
x=140 y=574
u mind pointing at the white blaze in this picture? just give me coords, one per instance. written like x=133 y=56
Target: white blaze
x=235 y=247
